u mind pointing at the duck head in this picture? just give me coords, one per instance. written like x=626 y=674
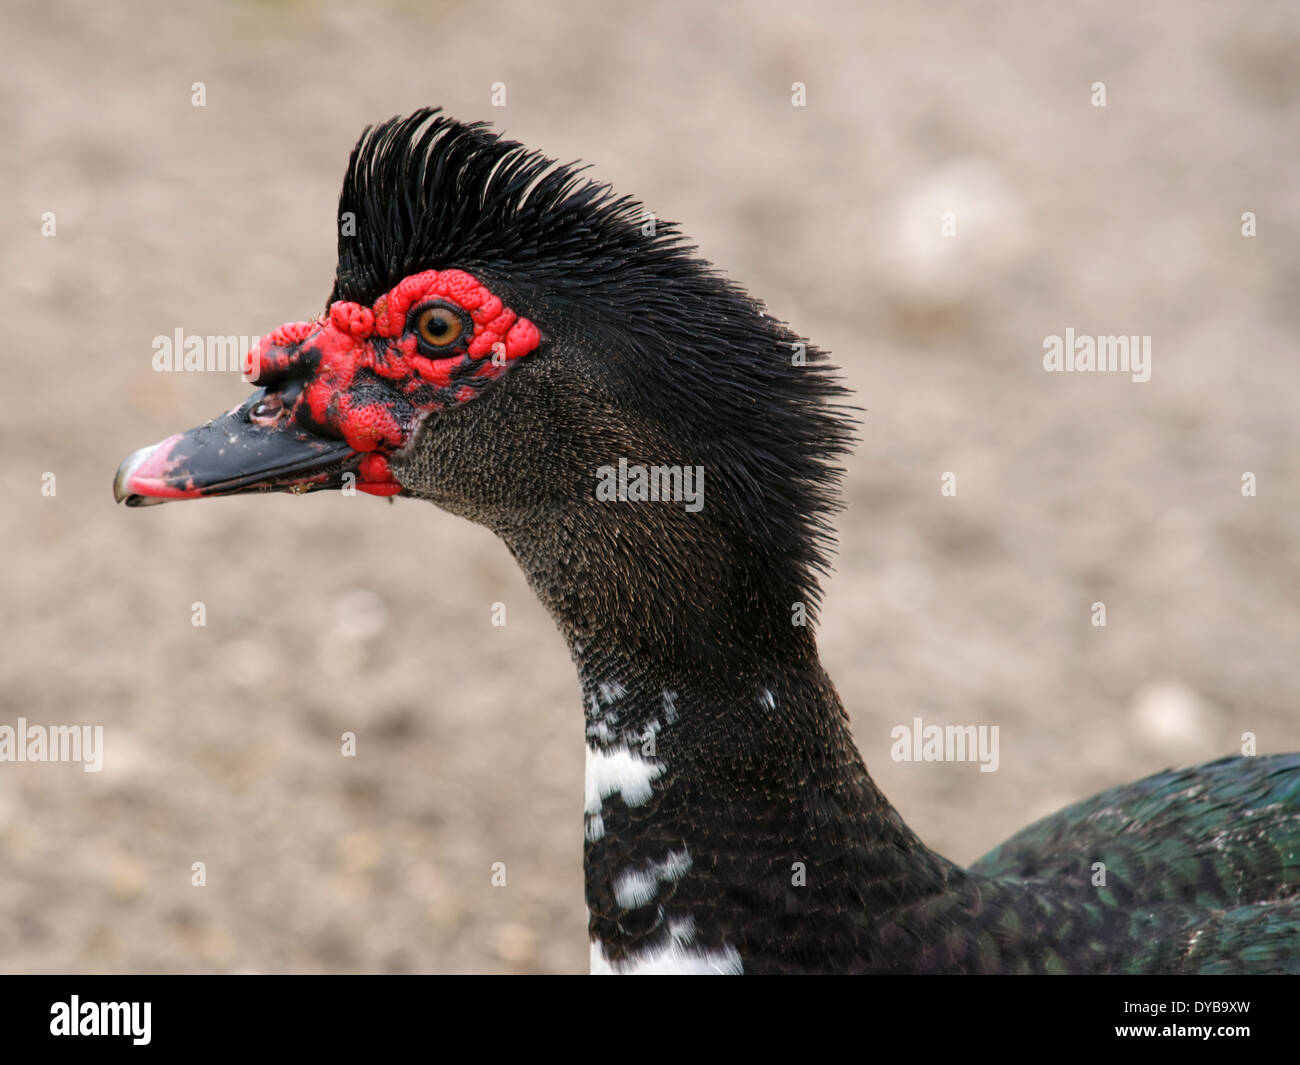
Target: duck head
x=503 y=333
x=341 y=395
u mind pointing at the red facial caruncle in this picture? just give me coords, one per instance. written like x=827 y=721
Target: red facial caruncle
x=366 y=375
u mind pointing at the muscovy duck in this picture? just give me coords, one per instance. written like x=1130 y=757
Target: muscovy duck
x=502 y=336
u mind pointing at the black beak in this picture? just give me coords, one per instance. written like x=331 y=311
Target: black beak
x=257 y=447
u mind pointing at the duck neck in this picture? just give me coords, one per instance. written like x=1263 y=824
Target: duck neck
x=729 y=822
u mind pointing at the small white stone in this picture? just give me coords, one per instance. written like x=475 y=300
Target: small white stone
x=1173 y=717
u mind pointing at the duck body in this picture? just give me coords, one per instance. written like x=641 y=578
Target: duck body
x=500 y=336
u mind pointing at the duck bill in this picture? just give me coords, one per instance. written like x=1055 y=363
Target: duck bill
x=235 y=454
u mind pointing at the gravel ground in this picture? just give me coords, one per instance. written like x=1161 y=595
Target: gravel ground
x=325 y=614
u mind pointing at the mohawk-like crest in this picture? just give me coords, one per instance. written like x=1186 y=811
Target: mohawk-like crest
x=428 y=192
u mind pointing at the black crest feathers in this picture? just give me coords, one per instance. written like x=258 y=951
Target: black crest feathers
x=757 y=405
x=427 y=192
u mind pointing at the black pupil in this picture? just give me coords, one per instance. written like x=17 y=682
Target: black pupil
x=439 y=324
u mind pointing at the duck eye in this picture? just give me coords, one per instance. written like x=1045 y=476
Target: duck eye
x=439 y=326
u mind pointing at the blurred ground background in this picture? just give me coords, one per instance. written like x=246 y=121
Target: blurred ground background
x=325 y=615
